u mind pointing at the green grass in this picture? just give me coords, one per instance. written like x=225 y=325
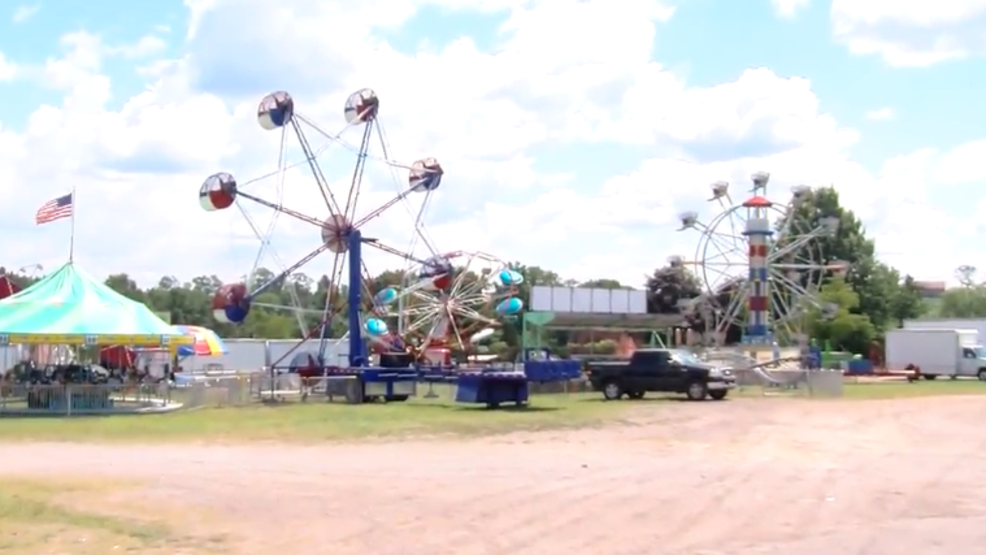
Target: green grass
x=317 y=420
x=923 y=388
x=34 y=520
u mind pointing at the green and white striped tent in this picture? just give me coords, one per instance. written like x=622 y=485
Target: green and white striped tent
x=70 y=307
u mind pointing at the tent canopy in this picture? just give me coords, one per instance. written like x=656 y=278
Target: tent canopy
x=69 y=306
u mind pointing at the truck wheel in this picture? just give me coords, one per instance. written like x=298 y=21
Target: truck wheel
x=982 y=374
x=929 y=377
x=697 y=391
x=612 y=391
x=636 y=394
x=719 y=394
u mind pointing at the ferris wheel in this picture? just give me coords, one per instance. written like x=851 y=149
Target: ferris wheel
x=452 y=301
x=761 y=267
x=336 y=219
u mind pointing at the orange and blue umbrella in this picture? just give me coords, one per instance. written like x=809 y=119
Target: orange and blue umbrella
x=206 y=342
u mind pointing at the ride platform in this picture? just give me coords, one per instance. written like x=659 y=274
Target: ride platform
x=492 y=388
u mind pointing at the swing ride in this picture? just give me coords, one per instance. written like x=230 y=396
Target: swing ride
x=446 y=301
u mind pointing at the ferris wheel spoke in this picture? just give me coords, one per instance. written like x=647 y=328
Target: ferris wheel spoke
x=426 y=319
x=279 y=278
x=719 y=279
x=470 y=300
x=333 y=301
x=286 y=308
x=725 y=264
x=473 y=315
x=798 y=243
x=723 y=242
x=422 y=296
x=282 y=209
x=721 y=251
x=736 y=237
x=356 y=184
x=311 y=158
x=460 y=279
x=418 y=311
x=338 y=139
x=383 y=208
x=730 y=315
x=419 y=230
x=789 y=283
x=787 y=220
x=455 y=329
x=265 y=246
x=390 y=250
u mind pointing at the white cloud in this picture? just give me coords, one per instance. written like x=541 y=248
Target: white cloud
x=881 y=114
x=24 y=13
x=7 y=69
x=488 y=116
x=147 y=45
x=913 y=33
x=789 y=8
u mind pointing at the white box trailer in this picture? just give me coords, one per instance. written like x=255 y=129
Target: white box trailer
x=978 y=324
x=937 y=352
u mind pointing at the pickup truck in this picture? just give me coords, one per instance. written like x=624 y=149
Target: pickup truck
x=660 y=370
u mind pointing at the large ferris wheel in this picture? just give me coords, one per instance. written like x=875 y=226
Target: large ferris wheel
x=340 y=224
x=761 y=266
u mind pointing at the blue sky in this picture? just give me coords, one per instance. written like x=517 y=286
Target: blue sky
x=708 y=42
x=706 y=46
x=36 y=38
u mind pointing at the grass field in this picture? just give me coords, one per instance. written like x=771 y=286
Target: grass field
x=316 y=421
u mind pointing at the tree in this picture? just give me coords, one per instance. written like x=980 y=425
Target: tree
x=907 y=303
x=603 y=284
x=966 y=301
x=966 y=275
x=875 y=283
x=667 y=287
x=842 y=329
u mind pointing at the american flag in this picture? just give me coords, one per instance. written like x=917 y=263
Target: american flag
x=55 y=209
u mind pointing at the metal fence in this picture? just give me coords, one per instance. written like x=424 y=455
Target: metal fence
x=204 y=392
x=82 y=399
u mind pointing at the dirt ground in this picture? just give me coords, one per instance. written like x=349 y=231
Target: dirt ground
x=740 y=477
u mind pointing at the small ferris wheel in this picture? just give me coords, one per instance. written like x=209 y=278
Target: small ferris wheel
x=761 y=266
x=455 y=300
x=336 y=220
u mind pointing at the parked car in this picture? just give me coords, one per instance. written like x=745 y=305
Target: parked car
x=660 y=370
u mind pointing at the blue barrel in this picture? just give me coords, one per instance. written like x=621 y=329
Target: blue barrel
x=859 y=366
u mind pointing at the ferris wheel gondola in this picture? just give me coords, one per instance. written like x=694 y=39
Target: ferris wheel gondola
x=761 y=263
x=232 y=303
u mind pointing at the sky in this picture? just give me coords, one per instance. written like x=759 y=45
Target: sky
x=572 y=135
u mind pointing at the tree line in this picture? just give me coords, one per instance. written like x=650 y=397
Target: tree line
x=871 y=298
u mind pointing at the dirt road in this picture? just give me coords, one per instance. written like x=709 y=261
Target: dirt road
x=741 y=477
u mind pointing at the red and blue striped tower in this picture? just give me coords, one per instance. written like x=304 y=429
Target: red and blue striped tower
x=758 y=232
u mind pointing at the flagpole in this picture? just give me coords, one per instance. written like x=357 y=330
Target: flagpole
x=71 y=240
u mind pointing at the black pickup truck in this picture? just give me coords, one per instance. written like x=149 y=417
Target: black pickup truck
x=663 y=370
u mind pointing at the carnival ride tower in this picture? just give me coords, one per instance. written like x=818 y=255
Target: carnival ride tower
x=758 y=234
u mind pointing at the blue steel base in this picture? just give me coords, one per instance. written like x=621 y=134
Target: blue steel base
x=492 y=388
x=390 y=384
